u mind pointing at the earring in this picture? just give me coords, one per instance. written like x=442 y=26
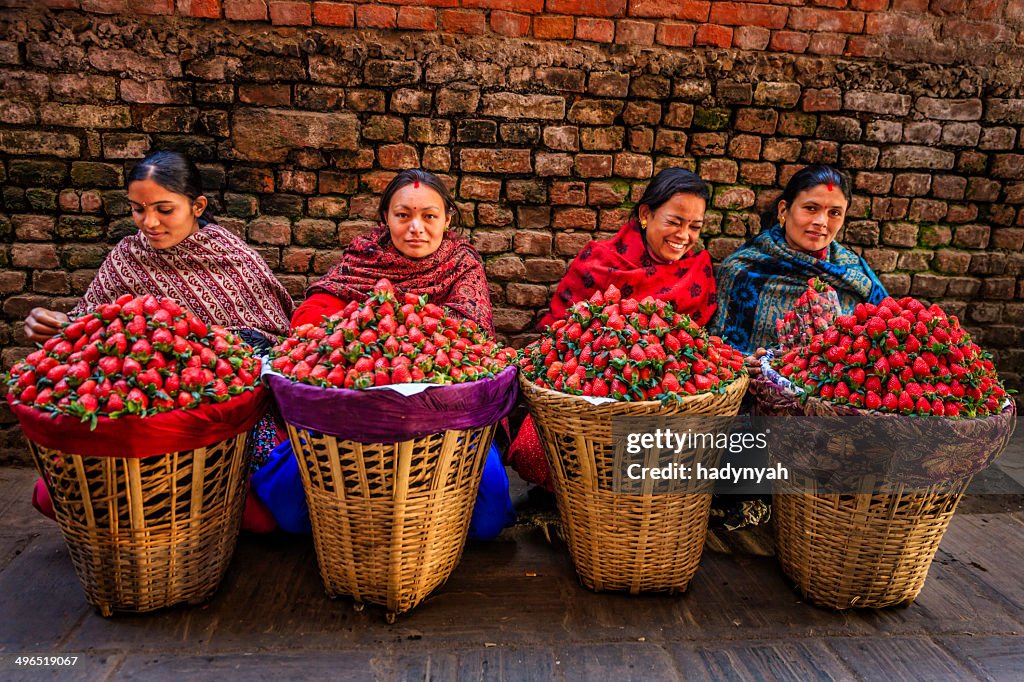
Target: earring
x=643 y=224
x=782 y=221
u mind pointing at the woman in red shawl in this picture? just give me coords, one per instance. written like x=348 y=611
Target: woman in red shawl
x=652 y=255
x=414 y=249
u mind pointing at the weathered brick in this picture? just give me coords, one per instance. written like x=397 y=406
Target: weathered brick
x=602 y=139
x=488 y=242
x=928 y=286
x=496 y=160
x=458 y=99
x=544 y=269
x=912 y=184
x=863 y=232
x=858 y=156
x=988 y=264
x=532 y=243
x=483 y=189
x=511 y=320
x=528 y=295
x=269 y=134
x=271 y=230
x=533 y=217
x=757 y=173
x=595 y=112
x=633 y=165
x=1007 y=238
x=36 y=256
x=574 y=219
x=1009 y=166
x=950 y=109
x=927 y=210
x=719 y=170
x=510 y=24
x=949 y=187
x=971 y=236
x=707 y=144
x=506 y=268
x=982 y=189
x=798 y=124
x=33 y=228
x=908 y=156
x=554 y=164
x=493 y=215
x=923 y=132
x=899 y=234
x=571 y=243
x=553 y=27
x=952 y=262
x=821 y=151
x=781 y=149
x=533 y=190
x=962 y=213
x=881 y=260
x=889 y=208
x=570 y=193
x=511 y=105
x=886 y=103
x=997 y=139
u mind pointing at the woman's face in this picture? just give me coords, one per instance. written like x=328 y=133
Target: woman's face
x=164 y=217
x=674 y=228
x=814 y=218
x=417 y=220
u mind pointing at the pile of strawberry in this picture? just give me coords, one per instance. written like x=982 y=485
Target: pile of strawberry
x=900 y=357
x=814 y=312
x=387 y=341
x=629 y=350
x=136 y=356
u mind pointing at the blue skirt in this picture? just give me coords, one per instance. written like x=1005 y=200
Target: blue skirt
x=278 y=485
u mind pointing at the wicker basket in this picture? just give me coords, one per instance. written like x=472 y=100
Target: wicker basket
x=150 y=532
x=861 y=550
x=622 y=542
x=390 y=520
x=865 y=550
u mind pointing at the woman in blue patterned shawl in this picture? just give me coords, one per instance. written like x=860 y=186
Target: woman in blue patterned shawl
x=761 y=280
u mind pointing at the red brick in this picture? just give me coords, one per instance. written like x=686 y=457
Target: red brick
x=593 y=165
x=745 y=147
x=37 y=256
x=763 y=121
x=750 y=38
x=496 y=160
x=748 y=14
x=590 y=8
x=810 y=19
x=290 y=13
x=719 y=170
x=60 y=4
x=510 y=24
x=789 y=41
x=574 y=219
x=689 y=10
x=152 y=7
x=595 y=30
x=757 y=173
x=829 y=99
x=553 y=27
x=888 y=23
x=630 y=32
x=676 y=35
x=249 y=10
x=712 y=34
x=266 y=94
x=463 y=21
x=104 y=6
x=634 y=165
x=869 y=5
x=334 y=13
x=827 y=44
x=398 y=156
x=864 y=46
x=375 y=16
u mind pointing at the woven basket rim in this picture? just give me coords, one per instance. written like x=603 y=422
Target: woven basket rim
x=733 y=386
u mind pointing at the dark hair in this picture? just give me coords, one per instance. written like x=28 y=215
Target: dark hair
x=176 y=173
x=416 y=175
x=668 y=183
x=803 y=180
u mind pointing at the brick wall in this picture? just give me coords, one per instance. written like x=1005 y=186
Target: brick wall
x=546 y=117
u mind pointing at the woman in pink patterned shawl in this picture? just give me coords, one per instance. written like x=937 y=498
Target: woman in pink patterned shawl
x=178 y=253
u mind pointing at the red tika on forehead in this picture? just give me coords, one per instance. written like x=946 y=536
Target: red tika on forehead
x=831 y=187
x=416 y=184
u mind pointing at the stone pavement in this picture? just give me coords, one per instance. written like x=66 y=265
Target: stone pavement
x=514 y=610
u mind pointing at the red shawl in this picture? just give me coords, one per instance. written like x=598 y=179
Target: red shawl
x=213 y=273
x=624 y=261
x=453 y=276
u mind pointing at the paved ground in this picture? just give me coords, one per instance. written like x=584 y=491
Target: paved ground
x=514 y=610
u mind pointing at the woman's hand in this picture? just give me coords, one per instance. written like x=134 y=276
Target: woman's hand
x=753 y=362
x=41 y=324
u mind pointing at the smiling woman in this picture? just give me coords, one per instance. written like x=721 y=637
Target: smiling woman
x=760 y=281
x=180 y=253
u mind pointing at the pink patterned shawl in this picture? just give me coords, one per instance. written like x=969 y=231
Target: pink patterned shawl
x=213 y=273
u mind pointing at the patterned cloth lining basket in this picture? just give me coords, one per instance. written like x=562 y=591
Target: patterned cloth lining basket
x=623 y=542
x=150 y=532
x=390 y=520
x=866 y=550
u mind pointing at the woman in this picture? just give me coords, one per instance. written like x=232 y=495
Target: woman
x=414 y=248
x=653 y=254
x=759 y=282
x=180 y=253
x=763 y=279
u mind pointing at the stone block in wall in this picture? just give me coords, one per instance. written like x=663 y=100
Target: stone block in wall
x=527 y=295
x=1003 y=110
x=911 y=156
x=708 y=144
x=988 y=264
x=950 y=109
x=571 y=243
x=532 y=243
x=506 y=268
x=897 y=284
x=520 y=133
x=972 y=236
x=532 y=191
x=843 y=128
x=514 y=106
x=571 y=193
x=574 y=219
x=457 y=99
x=548 y=164
x=886 y=103
x=595 y=111
x=512 y=320
x=998 y=138
x=949 y=187
x=269 y=135
x=718 y=170
x=858 y=156
x=757 y=173
x=495 y=160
